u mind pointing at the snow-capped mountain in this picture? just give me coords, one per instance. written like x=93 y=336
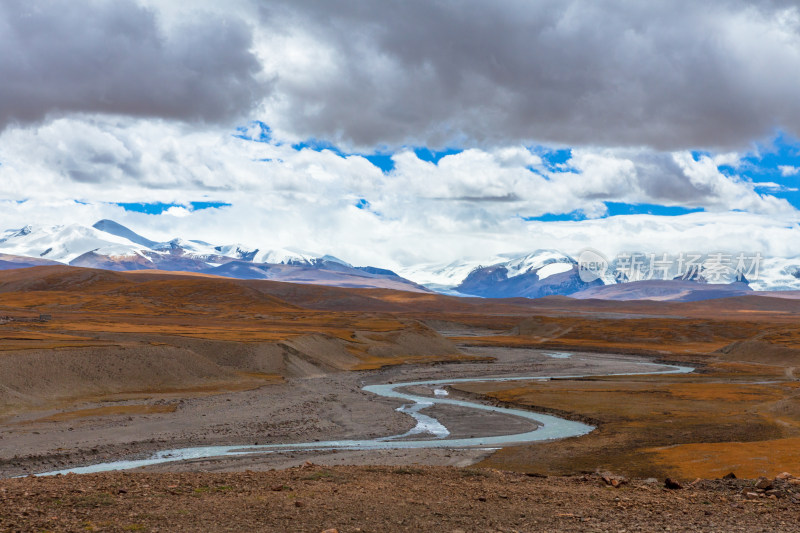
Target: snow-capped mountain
x=541 y=273
x=444 y=278
x=777 y=274
x=544 y=263
x=238 y=251
x=283 y=256
x=64 y=243
x=109 y=226
x=110 y=245
x=546 y=272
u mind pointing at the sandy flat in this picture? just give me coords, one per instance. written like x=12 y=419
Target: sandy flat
x=299 y=410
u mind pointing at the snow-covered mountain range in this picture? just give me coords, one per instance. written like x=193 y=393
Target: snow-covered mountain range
x=449 y=278
x=112 y=246
x=550 y=272
x=542 y=273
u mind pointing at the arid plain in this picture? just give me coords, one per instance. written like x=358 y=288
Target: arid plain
x=98 y=366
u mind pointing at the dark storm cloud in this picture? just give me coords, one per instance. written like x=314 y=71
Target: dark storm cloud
x=664 y=181
x=114 y=57
x=668 y=74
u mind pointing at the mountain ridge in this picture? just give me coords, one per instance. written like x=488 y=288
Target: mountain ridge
x=110 y=245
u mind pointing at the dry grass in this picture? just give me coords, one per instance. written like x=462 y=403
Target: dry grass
x=683 y=425
x=660 y=425
x=110 y=410
x=629 y=335
x=714 y=460
x=374 y=363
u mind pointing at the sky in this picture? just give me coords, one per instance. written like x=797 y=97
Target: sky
x=403 y=132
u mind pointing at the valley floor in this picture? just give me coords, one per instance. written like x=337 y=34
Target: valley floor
x=297 y=410
x=130 y=365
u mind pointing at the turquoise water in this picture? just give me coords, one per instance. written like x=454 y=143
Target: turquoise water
x=549 y=427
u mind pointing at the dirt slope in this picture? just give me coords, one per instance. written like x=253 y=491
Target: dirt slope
x=360 y=499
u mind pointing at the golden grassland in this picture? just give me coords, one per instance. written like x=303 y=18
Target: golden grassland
x=740 y=412
x=730 y=418
x=641 y=335
x=102 y=316
x=374 y=363
x=108 y=410
x=199 y=307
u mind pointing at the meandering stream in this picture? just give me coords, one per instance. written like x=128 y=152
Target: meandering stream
x=548 y=427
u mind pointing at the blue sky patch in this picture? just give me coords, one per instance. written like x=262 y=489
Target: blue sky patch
x=618 y=208
x=621 y=208
x=318 y=145
x=365 y=205
x=256 y=131
x=382 y=161
x=560 y=217
x=156 y=208
x=553 y=159
x=777 y=162
x=697 y=155
x=434 y=156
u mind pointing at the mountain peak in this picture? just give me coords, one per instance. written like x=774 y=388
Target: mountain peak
x=537 y=261
x=334 y=259
x=115 y=228
x=285 y=256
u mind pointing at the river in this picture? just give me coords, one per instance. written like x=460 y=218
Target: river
x=549 y=427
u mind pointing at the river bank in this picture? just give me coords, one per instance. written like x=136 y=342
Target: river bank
x=301 y=410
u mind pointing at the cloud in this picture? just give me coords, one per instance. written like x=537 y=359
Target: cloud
x=178 y=211
x=124 y=160
x=138 y=101
x=362 y=238
x=788 y=170
x=774 y=187
x=667 y=74
x=115 y=159
x=727 y=192
x=470 y=203
x=122 y=58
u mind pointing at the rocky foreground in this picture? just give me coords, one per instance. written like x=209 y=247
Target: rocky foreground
x=317 y=498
